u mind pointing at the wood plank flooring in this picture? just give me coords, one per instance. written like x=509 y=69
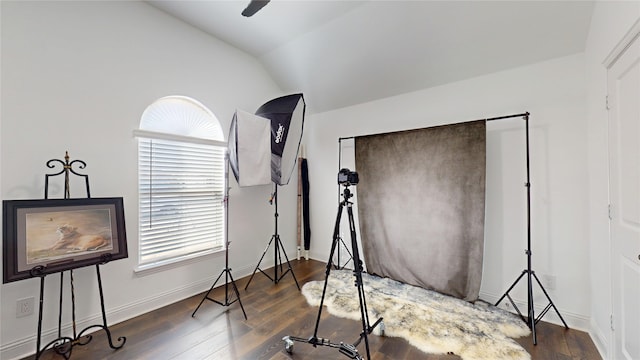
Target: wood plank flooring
x=274 y=311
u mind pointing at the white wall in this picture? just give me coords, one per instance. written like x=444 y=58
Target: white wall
x=610 y=22
x=554 y=93
x=77 y=76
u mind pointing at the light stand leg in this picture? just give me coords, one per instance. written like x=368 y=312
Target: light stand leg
x=227 y=273
x=259 y=262
x=289 y=268
x=277 y=253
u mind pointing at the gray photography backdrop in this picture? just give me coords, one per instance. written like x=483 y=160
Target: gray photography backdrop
x=421 y=206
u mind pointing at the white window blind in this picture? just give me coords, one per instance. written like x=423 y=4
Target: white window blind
x=181 y=189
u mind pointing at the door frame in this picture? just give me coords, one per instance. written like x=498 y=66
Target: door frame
x=625 y=43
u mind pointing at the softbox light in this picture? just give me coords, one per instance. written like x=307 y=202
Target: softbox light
x=250 y=149
x=287 y=120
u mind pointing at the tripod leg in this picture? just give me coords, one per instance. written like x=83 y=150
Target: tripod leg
x=336 y=237
x=358 y=274
x=260 y=261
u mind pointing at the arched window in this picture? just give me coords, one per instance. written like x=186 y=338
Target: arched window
x=181 y=182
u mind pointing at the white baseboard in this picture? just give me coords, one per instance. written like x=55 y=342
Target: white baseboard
x=600 y=340
x=27 y=346
x=573 y=320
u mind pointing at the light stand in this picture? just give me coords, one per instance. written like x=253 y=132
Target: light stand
x=531 y=275
x=278 y=249
x=226 y=271
x=349 y=350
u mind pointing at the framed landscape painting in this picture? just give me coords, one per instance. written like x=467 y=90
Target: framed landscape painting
x=52 y=235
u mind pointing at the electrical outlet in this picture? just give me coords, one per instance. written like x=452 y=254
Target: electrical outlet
x=24 y=307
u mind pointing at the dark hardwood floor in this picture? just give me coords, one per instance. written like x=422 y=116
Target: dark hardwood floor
x=274 y=311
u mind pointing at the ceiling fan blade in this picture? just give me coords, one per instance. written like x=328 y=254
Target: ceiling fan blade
x=253 y=7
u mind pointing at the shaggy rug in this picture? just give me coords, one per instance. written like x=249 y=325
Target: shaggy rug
x=432 y=322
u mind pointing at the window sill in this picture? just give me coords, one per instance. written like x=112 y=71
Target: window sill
x=152 y=268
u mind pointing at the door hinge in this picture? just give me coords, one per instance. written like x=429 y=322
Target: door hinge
x=611 y=322
x=606 y=102
x=609 y=211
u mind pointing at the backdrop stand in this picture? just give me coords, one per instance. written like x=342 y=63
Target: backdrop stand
x=226 y=271
x=531 y=319
x=63 y=345
x=278 y=250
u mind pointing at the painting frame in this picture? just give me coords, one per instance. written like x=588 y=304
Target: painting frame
x=48 y=236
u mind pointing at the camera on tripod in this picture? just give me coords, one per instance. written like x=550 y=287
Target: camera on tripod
x=347 y=177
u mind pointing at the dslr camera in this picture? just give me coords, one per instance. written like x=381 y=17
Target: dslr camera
x=347 y=177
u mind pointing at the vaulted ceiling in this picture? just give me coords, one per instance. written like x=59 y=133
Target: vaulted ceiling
x=341 y=53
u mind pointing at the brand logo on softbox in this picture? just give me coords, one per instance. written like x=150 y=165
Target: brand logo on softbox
x=279 y=133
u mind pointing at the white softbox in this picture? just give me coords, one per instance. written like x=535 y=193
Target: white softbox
x=250 y=149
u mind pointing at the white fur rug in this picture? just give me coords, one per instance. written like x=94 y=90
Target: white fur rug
x=432 y=322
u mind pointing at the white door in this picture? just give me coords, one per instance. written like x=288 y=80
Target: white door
x=624 y=152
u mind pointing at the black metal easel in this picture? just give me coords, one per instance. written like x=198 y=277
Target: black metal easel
x=63 y=345
x=278 y=249
x=531 y=319
x=349 y=350
x=226 y=271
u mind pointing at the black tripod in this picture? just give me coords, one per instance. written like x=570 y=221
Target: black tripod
x=348 y=350
x=227 y=270
x=531 y=320
x=278 y=251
